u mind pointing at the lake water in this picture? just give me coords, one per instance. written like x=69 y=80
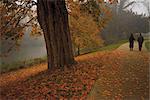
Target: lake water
x=30 y=48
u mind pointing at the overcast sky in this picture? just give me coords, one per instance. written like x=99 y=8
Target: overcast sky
x=139 y=7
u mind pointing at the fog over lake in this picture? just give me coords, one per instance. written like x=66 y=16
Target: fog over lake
x=30 y=48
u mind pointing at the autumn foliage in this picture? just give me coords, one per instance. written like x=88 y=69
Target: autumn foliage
x=86 y=23
x=75 y=82
x=16 y=17
x=103 y=74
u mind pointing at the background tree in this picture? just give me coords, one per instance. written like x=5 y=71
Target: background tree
x=86 y=22
x=125 y=21
x=85 y=32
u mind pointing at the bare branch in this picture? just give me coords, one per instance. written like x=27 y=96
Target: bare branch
x=131 y=3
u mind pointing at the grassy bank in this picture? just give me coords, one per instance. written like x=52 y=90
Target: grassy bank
x=21 y=64
x=147 y=45
x=112 y=46
x=109 y=47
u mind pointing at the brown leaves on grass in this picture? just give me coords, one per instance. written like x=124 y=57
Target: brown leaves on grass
x=121 y=75
x=19 y=75
x=74 y=82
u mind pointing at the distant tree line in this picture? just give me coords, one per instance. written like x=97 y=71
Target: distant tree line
x=123 y=23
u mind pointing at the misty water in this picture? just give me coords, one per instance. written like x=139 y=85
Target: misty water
x=30 y=48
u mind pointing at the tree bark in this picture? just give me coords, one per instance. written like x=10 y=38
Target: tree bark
x=53 y=19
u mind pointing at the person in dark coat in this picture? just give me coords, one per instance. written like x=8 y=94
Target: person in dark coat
x=140 y=41
x=131 y=41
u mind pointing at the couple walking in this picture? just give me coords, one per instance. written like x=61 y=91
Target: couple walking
x=140 y=42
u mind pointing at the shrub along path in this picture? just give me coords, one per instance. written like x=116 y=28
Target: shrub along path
x=118 y=74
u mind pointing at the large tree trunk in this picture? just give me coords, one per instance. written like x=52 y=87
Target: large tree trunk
x=53 y=19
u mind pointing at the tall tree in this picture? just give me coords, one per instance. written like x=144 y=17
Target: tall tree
x=53 y=19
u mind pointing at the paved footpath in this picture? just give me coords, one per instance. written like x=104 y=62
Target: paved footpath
x=124 y=76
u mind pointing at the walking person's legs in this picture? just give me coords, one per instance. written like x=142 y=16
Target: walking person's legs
x=139 y=48
x=131 y=46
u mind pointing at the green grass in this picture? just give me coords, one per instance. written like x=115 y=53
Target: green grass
x=147 y=45
x=109 y=47
x=112 y=46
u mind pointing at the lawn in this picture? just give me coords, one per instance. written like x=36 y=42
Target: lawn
x=109 y=47
x=112 y=46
